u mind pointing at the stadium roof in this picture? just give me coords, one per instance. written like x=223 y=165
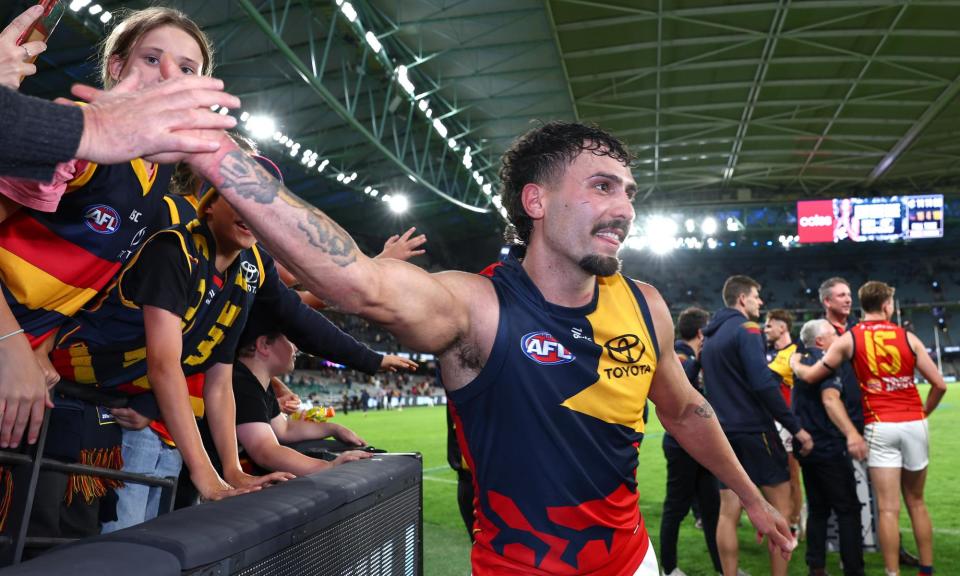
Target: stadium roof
x=722 y=102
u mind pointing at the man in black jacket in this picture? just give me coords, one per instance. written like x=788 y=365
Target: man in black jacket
x=747 y=400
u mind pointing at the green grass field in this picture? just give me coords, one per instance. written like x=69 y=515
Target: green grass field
x=447 y=548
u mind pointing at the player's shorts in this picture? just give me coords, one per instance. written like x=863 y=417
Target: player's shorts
x=762 y=455
x=898 y=445
x=786 y=437
x=649 y=566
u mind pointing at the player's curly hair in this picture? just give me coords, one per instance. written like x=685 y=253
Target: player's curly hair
x=540 y=156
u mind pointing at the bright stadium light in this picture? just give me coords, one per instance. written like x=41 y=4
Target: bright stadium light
x=709 y=226
x=661 y=232
x=372 y=40
x=349 y=11
x=105 y=17
x=399 y=203
x=260 y=127
x=423 y=105
x=440 y=128
x=96 y=9
x=404 y=80
x=690 y=225
x=323 y=165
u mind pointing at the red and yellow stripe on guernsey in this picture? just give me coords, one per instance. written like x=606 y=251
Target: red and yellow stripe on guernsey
x=44 y=271
x=752 y=328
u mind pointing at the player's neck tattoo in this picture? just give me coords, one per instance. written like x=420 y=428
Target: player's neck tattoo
x=250 y=181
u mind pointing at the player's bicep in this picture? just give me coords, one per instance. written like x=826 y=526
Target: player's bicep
x=424 y=311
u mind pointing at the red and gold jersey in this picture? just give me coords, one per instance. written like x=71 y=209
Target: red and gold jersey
x=884 y=364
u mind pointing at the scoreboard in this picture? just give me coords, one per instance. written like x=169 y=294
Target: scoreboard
x=870 y=219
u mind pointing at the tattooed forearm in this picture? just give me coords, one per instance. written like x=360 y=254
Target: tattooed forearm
x=241 y=173
x=328 y=236
x=704 y=410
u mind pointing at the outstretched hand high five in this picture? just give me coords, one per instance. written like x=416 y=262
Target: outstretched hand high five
x=162 y=123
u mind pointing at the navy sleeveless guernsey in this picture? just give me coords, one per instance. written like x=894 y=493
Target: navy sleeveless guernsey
x=550 y=428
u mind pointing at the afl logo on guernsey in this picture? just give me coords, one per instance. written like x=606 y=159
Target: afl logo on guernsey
x=543 y=348
x=101 y=218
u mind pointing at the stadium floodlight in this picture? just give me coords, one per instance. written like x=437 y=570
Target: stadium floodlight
x=353 y=176
x=260 y=127
x=244 y=116
x=277 y=135
x=411 y=177
x=404 y=80
x=293 y=152
x=78 y=5
x=709 y=226
x=284 y=139
x=105 y=17
x=467 y=158
x=733 y=225
x=367 y=189
x=374 y=192
x=661 y=232
x=690 y=225
x=452 y=144
x=349 y=11
x=497 y=201
x=440 y=128
x=372 y=40
x=487 y=188
x=399 y=203
x=340 y=177
x=96 y=9
x=429 y=113
x=711 y=243
x=323 y=165
x=224 y=111
x=423 y=105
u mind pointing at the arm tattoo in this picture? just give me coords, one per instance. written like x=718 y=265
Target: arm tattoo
x=704 y=410
x=328 y=236
x=249 y=179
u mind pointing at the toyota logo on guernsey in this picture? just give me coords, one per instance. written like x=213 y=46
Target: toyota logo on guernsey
x=543 y=348
x=815 y=221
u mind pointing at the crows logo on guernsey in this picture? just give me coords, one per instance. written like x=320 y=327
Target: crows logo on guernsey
x=543 y=348
x=101 y=218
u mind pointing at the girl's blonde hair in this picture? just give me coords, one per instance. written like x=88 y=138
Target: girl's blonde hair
x=136 y=24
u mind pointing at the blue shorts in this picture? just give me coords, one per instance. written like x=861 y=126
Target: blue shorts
x=762 y=455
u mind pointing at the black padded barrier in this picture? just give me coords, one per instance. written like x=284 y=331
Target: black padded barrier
x=364 y=517
x=101 y=558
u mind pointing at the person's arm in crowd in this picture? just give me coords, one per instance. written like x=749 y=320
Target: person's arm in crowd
x=221 y=415
x=162 y=123
x=164 y=347
x=837 y=412
x=260 y=442
x=928 y=370
x=690 y=419
x=288 y=399
x=23 y=389
x=840 y=351
x=314 y=334
x=289 y=430
x=425 y=310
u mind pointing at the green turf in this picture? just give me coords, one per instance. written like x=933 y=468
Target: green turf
x=447 y=550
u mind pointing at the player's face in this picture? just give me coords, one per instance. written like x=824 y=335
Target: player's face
x=588 y=212
x=282 y=354
x=774 y=329
x=752 y=303
x=145 y=55
x=839 y=301
x=230 y=232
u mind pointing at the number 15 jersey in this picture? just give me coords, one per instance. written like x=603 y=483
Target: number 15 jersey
x=884 y=363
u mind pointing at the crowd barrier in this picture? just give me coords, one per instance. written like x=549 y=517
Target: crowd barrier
x=362 y=518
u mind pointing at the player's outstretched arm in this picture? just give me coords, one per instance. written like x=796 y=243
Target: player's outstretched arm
x=427 y=312
x=690 y=419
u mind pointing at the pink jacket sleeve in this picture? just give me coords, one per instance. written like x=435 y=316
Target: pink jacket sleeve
x=39 y=196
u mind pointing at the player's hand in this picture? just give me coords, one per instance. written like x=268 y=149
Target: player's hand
x=403 y=247
x=347 y=436
x=391 y=363
x=130 y=419
x=162 y=123
x=857 y=446
x=350 y=456
x=805 y=440
x=14 y=58
x=770 y=524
